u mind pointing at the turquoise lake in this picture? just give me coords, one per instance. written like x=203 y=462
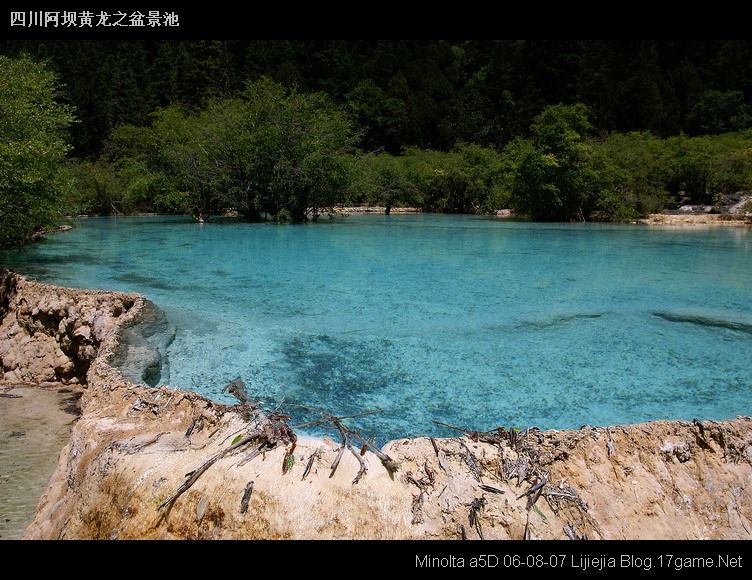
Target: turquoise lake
x=468 y=320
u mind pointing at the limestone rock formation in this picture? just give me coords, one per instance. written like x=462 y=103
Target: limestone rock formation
x=50 y=334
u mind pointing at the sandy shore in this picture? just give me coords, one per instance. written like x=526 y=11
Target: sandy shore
x=36 y=425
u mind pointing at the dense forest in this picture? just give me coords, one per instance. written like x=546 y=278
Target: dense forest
x=557 y=130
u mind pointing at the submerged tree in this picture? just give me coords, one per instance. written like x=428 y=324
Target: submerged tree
x=32 y=146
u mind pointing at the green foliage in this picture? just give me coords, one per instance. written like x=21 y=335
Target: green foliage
x=381 y=117
x=92 y=188
x=465 y=180
x=646 y=174
x=32 y=147
x=554 y=175
x=381 y=180
x=270 y=152
x=425 y=94
x=635 y=171
x=731 y=162
x=719 y=112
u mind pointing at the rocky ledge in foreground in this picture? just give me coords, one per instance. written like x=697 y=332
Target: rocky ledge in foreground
x=158 y=463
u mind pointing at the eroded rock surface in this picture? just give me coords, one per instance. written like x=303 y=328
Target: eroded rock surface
x=51 y=334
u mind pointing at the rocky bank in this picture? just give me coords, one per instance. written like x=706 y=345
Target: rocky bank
x=133 y=446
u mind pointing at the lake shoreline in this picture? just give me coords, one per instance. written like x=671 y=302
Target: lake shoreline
x=129 y=449
x=696 y=220
x=688 y=221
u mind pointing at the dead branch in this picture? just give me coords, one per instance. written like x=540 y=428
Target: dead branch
x=609 y=443
x=440 y=455
x=430 y=474
x=363 y=465
x=490 y=489
x=129 y=448
x=476 y=506
x=253 y=455
x=315 y=455
x=337 y=459
x=462 y=430
x=10 y=396
x=472 y=462
x=246 y=497
x=353 y=436
x=193 y=476
x=564 y=493
x=346 y=438
x=535 y=491
x=268 y=430
x=327 y=418
x=237 y=389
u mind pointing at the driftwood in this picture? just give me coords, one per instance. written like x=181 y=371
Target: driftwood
x=564 y=493
x=495 y=436
x=526 y=535
x=10 y=396
x=363 y=465
x=193 y=476
x=269 y=431
x=335 y=463
x=348 y=436
x=571 y=533
x=346 y=444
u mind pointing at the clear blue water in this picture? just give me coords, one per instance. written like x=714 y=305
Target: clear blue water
x=471 y=321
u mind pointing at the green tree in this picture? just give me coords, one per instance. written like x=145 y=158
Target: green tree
x=635 y=169
x=32 y=147
x=381 y=118
x=289 y=154
x=719 y=112
x=382 y=181
x=553 y=173
x=271 y=152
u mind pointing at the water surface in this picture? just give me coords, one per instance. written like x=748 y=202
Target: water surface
x=468 y=320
